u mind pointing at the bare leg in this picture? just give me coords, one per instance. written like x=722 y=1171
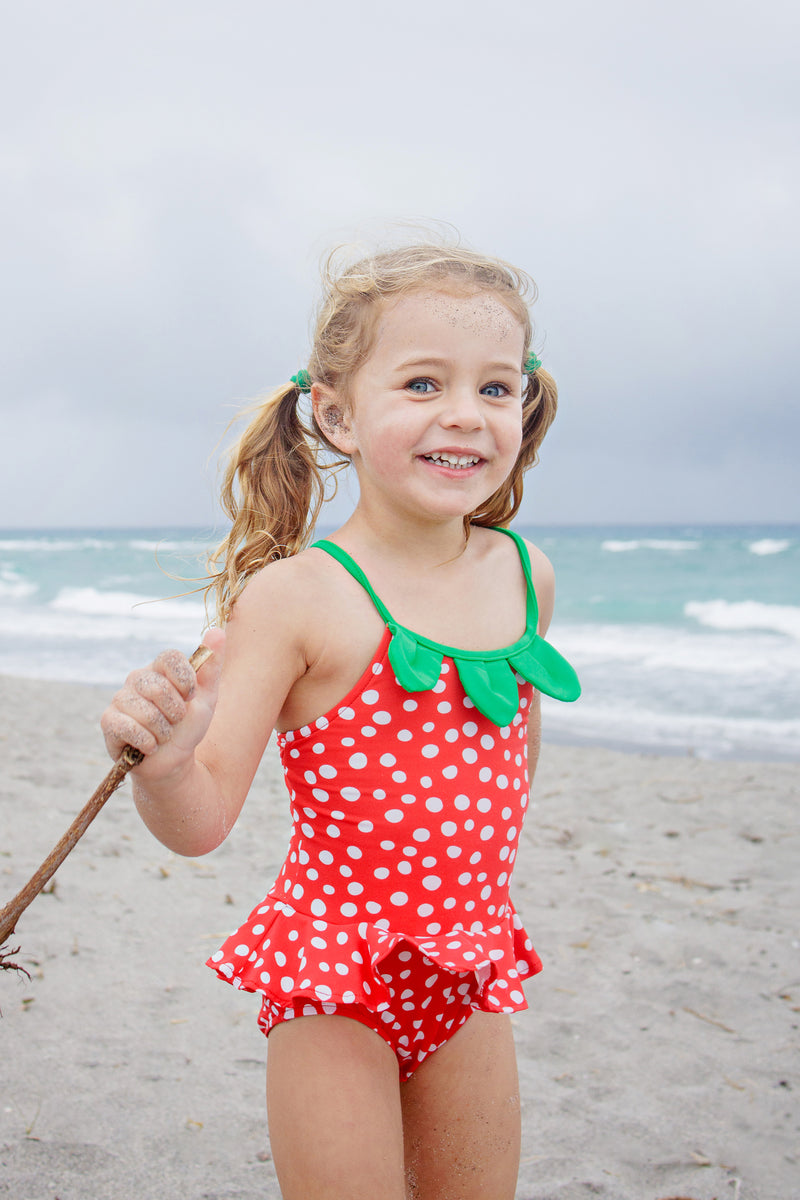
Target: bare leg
x=461 y=1116
x=333 y=1103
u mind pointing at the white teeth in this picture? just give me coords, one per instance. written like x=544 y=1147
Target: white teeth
x=456 y=461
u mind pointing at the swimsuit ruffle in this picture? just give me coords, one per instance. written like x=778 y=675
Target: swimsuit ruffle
x=286 y=954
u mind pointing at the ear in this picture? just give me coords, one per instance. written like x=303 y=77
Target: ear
x=332 y=415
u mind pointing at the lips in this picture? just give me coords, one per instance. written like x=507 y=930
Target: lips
x=456 y=462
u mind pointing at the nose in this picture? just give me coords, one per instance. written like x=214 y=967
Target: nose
x=463 y=409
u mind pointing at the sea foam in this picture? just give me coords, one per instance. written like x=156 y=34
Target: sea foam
x=746 y=614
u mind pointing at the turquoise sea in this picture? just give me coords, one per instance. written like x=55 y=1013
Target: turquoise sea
x=686 y=639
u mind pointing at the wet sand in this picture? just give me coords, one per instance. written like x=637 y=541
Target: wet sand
x=658 y=1058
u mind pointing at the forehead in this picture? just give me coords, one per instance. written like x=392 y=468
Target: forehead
x=430 y=313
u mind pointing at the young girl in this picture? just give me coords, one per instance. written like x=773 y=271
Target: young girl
x=401 y=663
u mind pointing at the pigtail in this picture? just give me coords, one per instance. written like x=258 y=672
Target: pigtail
x=539 y=404
x=274 y=485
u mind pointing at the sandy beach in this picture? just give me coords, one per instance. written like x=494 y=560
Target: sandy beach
x=658 y=1058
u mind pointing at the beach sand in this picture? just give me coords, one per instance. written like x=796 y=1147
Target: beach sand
x=658 y=1058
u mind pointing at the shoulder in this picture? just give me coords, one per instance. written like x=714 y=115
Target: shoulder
x=284 y=597
x=544 y=584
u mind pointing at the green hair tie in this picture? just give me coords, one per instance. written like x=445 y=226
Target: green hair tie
x=532 y=363
x=302 y=381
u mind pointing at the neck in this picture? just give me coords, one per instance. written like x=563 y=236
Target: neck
x=426 y=543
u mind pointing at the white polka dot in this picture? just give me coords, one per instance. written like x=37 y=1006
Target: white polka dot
x=469 y=755
x=431 y=883
x=434 y=804
x=465 y=878
x=421 y=835
x=354 y=852
x=318 y=907
x=453 y=851
x=348 y=909
x=371 y=696
x=409 y=705
x=469 y=728
x=358 y=761
x=320 y=795
x=355 y=888
x=449 y=828
x=399 y=898
x=425 y=910
x=323 y=992
x=240 y=950
x=287 y=983
x=404 y=735
x=484 y=805
x=365 y=826
x=485 y=774
x=333 y=831
x=372 y=907
x=428 y=862
x=449 y=772
x=451 y=735
x=346 y=713
x=327 y=771
x=388 y=760
x=297 y=891
x=429 y=751
x=394 y=815
x=381 y=872
x=367 y=731
x=404 y=868
x=502 y=781
x=350 y=794
x=461 y=803
x=382 y=718
x=309 y=777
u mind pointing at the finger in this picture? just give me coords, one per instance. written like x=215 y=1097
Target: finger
x=120 y=730
x=162 y=693
x=178 y=670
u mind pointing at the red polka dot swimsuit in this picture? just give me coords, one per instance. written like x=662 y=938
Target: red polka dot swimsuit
x=392 y=905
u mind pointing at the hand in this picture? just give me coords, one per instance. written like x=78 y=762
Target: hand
x=165 y=709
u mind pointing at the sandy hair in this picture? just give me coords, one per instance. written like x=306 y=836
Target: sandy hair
x=278 y=473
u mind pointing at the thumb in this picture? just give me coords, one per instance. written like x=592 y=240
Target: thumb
x=209 y=673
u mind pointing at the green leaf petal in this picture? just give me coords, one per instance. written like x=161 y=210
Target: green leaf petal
x=416 y=666
x=491 y=686
x=543 y=666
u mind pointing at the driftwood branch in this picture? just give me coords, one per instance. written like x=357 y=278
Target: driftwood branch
x=12 y=912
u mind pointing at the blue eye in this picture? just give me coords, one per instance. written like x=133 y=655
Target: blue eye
x=495 y=390
x=422 y=387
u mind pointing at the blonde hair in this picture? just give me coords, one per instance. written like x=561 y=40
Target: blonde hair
x=276 y=474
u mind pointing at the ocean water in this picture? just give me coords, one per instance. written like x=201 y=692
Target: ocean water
x=687 y=640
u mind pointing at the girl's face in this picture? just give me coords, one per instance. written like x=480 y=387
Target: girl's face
x=434 y=418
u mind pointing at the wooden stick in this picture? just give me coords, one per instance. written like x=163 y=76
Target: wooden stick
x=130 y=757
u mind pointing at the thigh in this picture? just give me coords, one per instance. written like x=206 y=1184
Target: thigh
x=333 y=1104
x=461 y=1116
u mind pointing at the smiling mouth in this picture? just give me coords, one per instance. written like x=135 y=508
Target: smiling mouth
x=457 y=462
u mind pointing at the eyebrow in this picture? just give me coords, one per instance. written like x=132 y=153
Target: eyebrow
x=433 y=361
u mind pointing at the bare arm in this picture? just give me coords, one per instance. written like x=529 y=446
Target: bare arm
x=203 y=737
x=544 y=584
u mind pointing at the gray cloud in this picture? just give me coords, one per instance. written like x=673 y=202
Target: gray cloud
x=171 y=174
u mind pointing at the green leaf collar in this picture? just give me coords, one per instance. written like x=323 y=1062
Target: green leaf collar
x=489 y=678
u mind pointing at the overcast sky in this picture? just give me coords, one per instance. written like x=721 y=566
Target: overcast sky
x=172 y=172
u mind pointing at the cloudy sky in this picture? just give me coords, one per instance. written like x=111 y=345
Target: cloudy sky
x=172 y=172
